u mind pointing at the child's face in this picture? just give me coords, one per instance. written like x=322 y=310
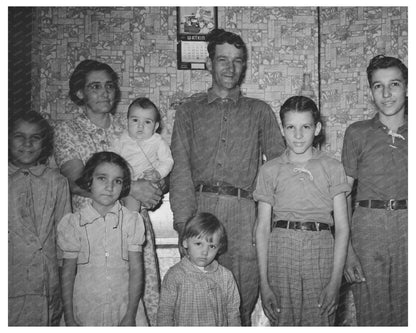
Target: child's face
x=389 y=91
x=299 y=130
x=99 y=92
x=142 y=123
x=202 y=252
x=107 y=183
x=26 y=144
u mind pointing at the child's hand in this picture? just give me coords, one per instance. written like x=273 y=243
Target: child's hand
x=270 y=303
x=152 y=175
x=328 y=300
x=128 y=320
x=352 y=271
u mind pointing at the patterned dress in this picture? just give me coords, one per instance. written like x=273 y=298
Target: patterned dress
x=79 y=139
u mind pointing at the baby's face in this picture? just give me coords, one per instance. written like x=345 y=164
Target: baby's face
x=142 y=123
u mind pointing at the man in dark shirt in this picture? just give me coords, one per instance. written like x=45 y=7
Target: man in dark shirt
x=220 y=139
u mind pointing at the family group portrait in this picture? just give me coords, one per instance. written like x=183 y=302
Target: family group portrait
x=208 y=166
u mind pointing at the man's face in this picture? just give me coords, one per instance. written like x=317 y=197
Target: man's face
x=226 y=68
x=389 y=91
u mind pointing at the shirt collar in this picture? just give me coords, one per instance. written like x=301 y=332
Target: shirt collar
x=89 y=215
x=233 y=95
x=36 y=170
x=316 y=154
x=212 y=267
x=376 y=123
x=88 y=125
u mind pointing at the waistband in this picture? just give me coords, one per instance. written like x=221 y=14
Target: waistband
x=383 y=204
x=305 y=226
x=224 y=190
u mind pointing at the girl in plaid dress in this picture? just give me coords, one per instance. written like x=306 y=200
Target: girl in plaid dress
x=198 y=291
x=303 y=194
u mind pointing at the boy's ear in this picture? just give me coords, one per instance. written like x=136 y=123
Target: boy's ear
x=156 y=126
x=208 y=63
x=185 y=244
x=80 y=94
x=318 y=128
x=371 y=95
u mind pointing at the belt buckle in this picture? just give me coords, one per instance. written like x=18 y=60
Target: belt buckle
x=391 y=204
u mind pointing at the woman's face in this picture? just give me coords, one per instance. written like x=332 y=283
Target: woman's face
x=99 y=92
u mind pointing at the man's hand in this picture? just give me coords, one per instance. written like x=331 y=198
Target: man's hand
x=352 y=271
x=145 y=192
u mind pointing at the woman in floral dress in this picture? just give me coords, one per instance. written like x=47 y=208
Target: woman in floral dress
x=93 y=86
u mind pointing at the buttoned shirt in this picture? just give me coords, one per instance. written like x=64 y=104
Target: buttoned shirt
x=38 y=199
x=378 y=160
x=219 y=141
x=302 y=192
x=101 y=244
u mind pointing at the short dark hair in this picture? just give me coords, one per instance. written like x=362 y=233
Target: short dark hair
x=381 y=62
x=205 y=225
x=85 y=181
x=220 y=36
x=303 y=104
x=46 y=129
x=145 y=103
x=78 y=79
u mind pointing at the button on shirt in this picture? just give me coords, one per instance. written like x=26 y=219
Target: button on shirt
x=38 y=199
x=378 y=160
x=219 y=142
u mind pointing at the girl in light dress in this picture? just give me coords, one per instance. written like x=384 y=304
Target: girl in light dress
x=102 y=277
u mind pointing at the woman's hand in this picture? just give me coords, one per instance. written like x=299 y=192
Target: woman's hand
x=145 y=192
x=270 y=303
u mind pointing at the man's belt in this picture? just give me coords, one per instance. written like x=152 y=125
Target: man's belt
x=307 y=226
x=383 y=204
x=224 y=190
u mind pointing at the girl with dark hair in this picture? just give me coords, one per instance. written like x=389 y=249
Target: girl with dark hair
x=303 y=192
x=38 y=199
x=102 y=274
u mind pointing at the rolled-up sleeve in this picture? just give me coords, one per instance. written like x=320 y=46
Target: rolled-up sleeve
x=338 y=182
x=350 y=151
x=265 y=188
